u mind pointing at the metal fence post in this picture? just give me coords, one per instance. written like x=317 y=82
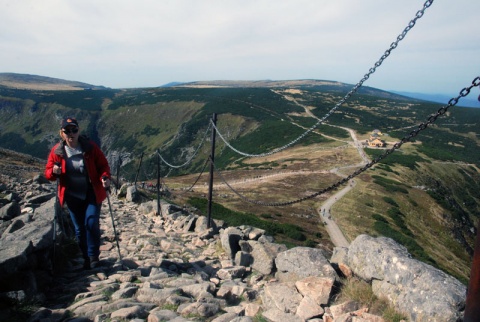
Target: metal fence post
x=158 y=183
x=210 y=185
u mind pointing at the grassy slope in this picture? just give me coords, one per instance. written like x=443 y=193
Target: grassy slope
x=434 y=226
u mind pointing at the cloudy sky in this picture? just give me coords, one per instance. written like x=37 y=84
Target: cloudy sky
x=144 y=43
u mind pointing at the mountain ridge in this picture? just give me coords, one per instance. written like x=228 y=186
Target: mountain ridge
x=427 y=183
x=36 y=82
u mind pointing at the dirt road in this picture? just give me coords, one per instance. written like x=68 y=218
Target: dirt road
x=336 y=235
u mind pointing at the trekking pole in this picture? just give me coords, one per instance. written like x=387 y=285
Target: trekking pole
x=113 y=221
x=55 y=215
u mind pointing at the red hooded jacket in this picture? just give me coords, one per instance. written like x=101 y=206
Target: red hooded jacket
x=95 y=163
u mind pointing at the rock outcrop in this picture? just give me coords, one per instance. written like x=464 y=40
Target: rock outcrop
x=175 y=268
x=412 y=286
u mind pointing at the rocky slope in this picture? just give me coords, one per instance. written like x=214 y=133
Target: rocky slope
x=174 y=268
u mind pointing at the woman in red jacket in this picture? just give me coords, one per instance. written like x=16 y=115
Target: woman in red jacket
x=84 y=175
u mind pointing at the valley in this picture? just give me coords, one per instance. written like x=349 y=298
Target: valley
x=424 y=195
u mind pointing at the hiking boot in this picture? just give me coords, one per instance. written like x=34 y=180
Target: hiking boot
x=94 y=261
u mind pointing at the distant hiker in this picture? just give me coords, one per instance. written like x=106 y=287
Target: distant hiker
x=81 y=165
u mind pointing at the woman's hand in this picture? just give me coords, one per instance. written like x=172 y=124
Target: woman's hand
x=57 y=169
x=106 y=182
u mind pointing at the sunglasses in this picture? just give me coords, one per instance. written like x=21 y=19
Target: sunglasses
x=74 y=131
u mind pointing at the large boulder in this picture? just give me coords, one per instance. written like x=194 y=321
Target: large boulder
x=263 y=255
x=10 y=211
x=24 y=247
x=230 y=239
x=300 y=262
x=33 y=235
x=133 y=194
x=413 y=287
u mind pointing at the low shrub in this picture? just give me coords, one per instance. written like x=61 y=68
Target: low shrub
x=235 y=218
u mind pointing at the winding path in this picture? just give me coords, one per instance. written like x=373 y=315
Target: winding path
x=336 y=235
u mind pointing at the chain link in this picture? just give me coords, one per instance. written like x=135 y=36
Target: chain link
x=198 y=178
x=194 y=154
x=422 y=126
x=377 y=64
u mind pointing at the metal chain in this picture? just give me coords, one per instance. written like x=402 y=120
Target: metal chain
x=127 y=174
x=148 y=176
x=372 y=70
x=198 y=178
x=194 y=154
x=422 y=126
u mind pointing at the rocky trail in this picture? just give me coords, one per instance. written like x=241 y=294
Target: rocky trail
x=175 y=268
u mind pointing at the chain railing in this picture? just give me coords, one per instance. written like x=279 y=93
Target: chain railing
x=196 y=180
x=422 y=126
x=192 y=156
x=372 y=70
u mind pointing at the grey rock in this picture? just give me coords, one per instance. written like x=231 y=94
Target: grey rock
x=16 y=248
x=204 y=308
x=40 y=179
x=231 y=291
x=243 y=259
x=14 y=226
x=189 y=223
x=276 y=315
x=161 y=315
x=230 y=238
x=196 y=290
x=201 y=225
x=282 y=296
x=230 y=273
x=343 y=308
x=157 y=296
x=90 y=310
x=242 y=319
x=125 y=303
x=132 y=194
x=127 y=292
x=40 y=198
x=264 y=255
x=129 y=313
x=88 y=300
x=339 y=255
x=308 y=309
x=227 y=317
x=301 y=262
x=10 y=211
x=147 y=207
x=177 y=300
x=316 y=288
x=173 y=261
x=414 y=287
x=169 y=209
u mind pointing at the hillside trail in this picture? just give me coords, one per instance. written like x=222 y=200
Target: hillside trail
x=266 y=177
x=324 y=211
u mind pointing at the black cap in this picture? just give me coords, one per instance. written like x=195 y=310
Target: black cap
x=69 y=121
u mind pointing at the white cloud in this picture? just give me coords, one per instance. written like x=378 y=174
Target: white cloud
x=123 y=43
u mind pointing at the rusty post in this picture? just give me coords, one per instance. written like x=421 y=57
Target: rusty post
x=472 y=307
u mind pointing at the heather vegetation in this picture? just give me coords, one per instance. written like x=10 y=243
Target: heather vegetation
x=285 y=233
x=426 y=195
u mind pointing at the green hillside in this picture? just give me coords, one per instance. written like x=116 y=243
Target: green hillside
x=425 y=195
